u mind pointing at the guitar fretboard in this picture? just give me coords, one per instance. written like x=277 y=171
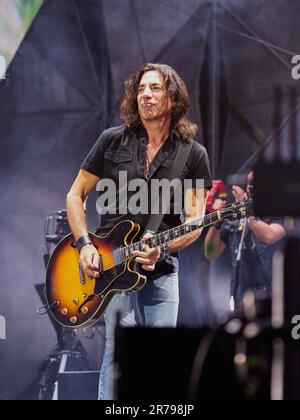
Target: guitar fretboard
x=172 y=234
x=235 y=211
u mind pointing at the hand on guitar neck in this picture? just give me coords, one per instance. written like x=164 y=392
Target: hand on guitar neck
x=149 y=258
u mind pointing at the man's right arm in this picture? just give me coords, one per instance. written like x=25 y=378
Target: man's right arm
x=76 y=204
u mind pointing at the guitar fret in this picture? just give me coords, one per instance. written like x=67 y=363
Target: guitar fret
x=213 y=218
x=159 y=240
x=127 y=253
x=153 y=243
x=194 y=226
x=187 y=228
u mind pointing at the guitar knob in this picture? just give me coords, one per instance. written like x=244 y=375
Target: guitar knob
x=84 y=296
x=73 y=320
x=85 y=310
x=64 y=311
x=75 y=301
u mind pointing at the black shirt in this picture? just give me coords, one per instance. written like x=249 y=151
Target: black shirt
x=122 y=149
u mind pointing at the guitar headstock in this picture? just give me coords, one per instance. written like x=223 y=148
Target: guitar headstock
x=237 y=211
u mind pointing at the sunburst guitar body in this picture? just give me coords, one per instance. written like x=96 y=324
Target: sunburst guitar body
x=75 y=299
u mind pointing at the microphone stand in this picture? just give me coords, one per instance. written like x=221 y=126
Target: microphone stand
x=238 y=261
x=249 y=195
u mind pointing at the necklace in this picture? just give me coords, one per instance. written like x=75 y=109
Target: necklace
x=148 y=166
x=149 y=161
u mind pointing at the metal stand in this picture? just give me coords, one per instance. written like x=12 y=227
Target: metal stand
x=238 y=263
x=69 y=354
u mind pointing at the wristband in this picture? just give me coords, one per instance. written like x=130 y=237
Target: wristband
x=84 y=240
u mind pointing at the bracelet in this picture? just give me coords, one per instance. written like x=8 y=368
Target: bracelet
x=164 y=252
x=84 y=240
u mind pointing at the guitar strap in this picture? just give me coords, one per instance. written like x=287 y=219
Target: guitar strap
x=176 y=172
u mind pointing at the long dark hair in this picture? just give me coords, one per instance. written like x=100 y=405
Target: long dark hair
x=176 y=89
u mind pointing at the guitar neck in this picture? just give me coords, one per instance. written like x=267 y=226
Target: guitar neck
x=233 y=212
x=174 y=233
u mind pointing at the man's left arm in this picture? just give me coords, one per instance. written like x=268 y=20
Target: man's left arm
x=194 y=207
x=267 y=233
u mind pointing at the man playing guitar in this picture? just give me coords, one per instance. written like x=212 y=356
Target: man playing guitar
x=154 y=112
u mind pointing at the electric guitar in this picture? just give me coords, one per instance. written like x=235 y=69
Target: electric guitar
x=74 y=299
